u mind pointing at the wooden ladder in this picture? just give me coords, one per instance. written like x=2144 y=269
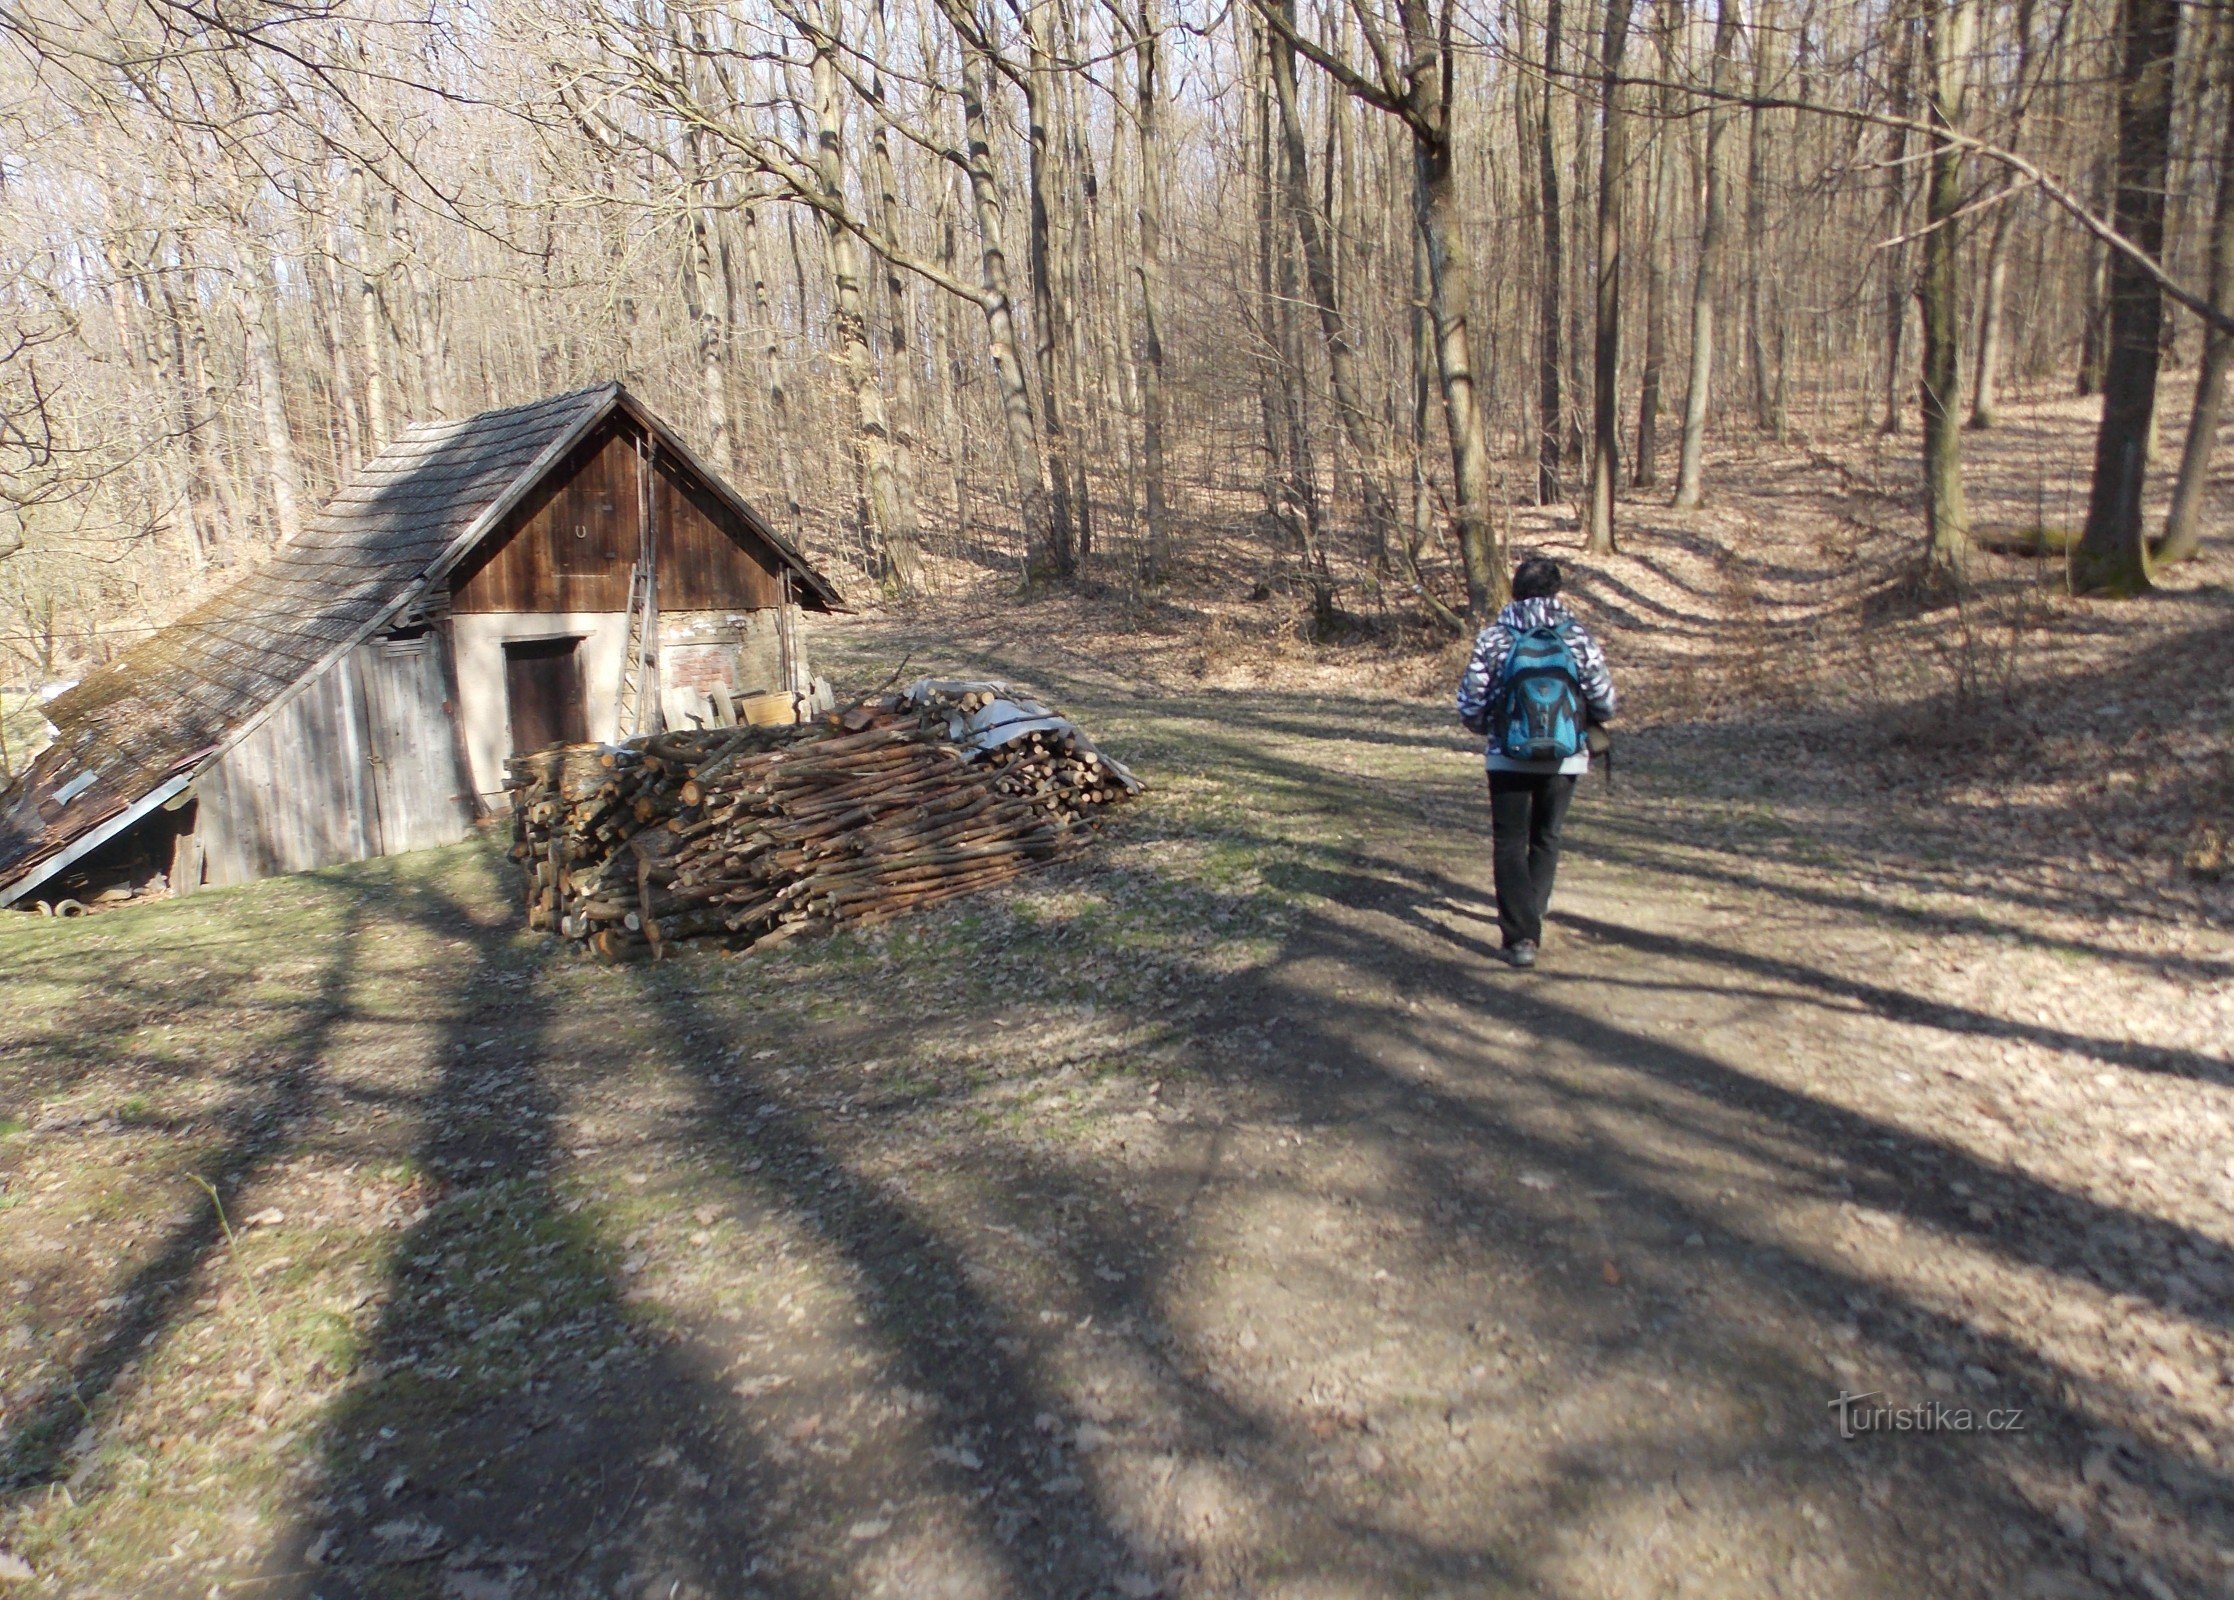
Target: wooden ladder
x=639 y=677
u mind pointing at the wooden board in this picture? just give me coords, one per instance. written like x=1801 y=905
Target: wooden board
x=411 y=746
x=763 y=709
x=543 y=693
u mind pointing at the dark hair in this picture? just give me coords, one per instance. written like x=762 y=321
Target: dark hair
x=1537 y=578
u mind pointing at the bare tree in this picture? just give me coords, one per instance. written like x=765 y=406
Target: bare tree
x=1551 y=276
x=1948 y=32
x=2113 y=556
x=1318 y=260
x=1897 y=287
x=1658 y=236
x=1413 y=85
x=2183 y=526
x=1691 y=463
x=1764 y=355
x=1148 y=91
x=1993 y=294
x=1613 y=163
x=253 y=253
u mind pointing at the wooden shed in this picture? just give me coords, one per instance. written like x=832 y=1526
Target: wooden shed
x=563 y=570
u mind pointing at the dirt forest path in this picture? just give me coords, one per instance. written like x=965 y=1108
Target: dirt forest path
x=1215 y=1216
x=1778 y=1119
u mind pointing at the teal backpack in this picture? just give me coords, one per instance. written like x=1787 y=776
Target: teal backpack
x=1539 y=715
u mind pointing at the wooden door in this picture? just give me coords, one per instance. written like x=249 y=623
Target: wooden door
x=412 y=747
x=543 y=693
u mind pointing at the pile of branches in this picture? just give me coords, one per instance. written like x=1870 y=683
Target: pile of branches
x=759 y=834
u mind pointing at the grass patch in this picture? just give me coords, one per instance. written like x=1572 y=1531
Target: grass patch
x=407 y=1290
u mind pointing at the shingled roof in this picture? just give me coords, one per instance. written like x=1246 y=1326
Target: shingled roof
x=163 y=709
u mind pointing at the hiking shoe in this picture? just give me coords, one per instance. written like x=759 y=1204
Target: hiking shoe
x=1522 y=954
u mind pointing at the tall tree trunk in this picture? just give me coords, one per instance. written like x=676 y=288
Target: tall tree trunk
x=782 y=436
x=1578 y=296
x=195 y=426
x=1318 y=264
x=1766 y=415
x=1148 y=271
x=430 y=328
x=1302 y=487
x=346 y=396
x=1658 y=235
x=2183 y=528
x=1450 y=295
x=1993 y=296
x=899 y=334
x=736 y=388
x=372 y=266
x=812 y=409
x=2094 y=336
x=1424 y=369
x=708 y=299
x=1020 y=423
x=1073 y=240
x=165 y=341
x=1258 y=158
x=1613 y=167
x=944 y=363
x=2113 y=553
x=888 y=514
x=1551 y=278
x=1713 y=224
x=712 y=338
x=1256 y=162
x=222 y=453
x=260 y=314
x=1897 y=287
x=1947 y=41
x=1047 y=332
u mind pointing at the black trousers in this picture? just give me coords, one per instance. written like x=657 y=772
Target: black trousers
x=1525 y=812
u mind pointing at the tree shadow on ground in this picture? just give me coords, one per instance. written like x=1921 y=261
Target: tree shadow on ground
x=1970 y=851
x=525 y=1424
x=1394 y=1291
x=927 y=1426
x=275 y=1094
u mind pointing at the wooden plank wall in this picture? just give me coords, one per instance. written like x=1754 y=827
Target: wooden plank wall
x=708 y=560
x=570 y=545
x=362 y=763
x=292 y=795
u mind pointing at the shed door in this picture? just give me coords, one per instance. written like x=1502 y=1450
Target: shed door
x=413 y=747
x=543 y=692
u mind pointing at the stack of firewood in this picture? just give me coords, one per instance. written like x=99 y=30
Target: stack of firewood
x=758 y=834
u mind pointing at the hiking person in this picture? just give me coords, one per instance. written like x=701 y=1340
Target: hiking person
x=1535 y=686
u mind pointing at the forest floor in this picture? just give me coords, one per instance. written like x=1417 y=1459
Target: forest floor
x=1216 y=1215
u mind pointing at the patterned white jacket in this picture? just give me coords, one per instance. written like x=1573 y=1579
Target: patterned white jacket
x=1485 y=670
